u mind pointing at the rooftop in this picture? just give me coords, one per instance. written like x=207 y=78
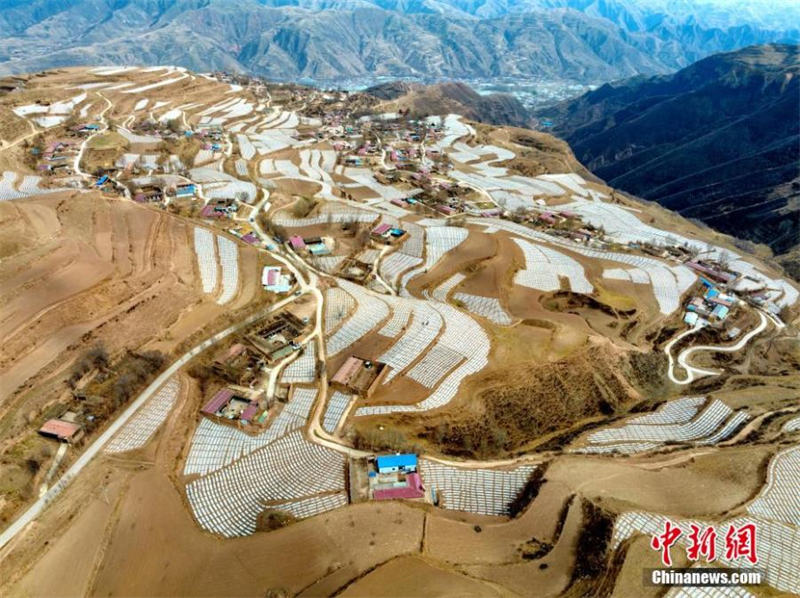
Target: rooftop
x=59 y=428
x=401 y=460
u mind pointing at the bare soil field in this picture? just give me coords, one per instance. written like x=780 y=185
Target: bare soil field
x=552 y=578
x=722 y=481
x=471 y=255
x=456 y=540
x=638 y=556
x=495 y=274
x=79 y=271
x=414 y=576
x=175 y=558
x=538 y=153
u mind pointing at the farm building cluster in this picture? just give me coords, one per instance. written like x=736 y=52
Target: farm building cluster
x=234 y=405
x=395 y=476
x=278 y=337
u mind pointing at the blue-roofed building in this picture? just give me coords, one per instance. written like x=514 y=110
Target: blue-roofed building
x=185 y=190
x=720 y=312
x=405 y=463
x=318 y=249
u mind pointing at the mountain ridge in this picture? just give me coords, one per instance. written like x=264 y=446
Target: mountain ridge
x=562 y=39
x=717 y=141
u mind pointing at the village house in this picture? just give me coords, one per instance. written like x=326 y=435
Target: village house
x=219 y=208
x=278 y=338
x=359 y=376
x=149 y=193
x=185 y=190
x=387 y=234
x=400 y=463
x=61 y=430
x=230 y=404
x=395 y=477
x=712 y=271
x=297 y=244
x=239 y=363
x=274 y=281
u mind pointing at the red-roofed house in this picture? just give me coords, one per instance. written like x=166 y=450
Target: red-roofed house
x=61 y=430
x=218 y=401
x=548 y=217
x=381 y=229
x=716 y=274
x=412 y=489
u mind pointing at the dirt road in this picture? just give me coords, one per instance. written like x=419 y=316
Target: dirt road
x=692 y=372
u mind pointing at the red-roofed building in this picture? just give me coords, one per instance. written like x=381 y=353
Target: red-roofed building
x=413 y=489
x=218 y=401
x=297 y=242
x=548 y=217
x=61 y=430
x=718 y=275
x=381 y=229
x=235 y=351
x=359 y=376
x=210 y=211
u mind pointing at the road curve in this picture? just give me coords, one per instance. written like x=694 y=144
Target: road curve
x=692 y=372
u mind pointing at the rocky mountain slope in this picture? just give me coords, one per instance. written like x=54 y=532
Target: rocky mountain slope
x=718 y=141
x=452 y=97
x=588 y=41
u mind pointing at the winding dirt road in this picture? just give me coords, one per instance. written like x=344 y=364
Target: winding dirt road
x=692 y=373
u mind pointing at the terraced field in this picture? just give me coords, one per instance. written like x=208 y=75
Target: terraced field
x=490 y=296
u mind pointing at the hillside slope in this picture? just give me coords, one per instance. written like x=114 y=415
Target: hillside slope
x=717 y=141
x=453 y=97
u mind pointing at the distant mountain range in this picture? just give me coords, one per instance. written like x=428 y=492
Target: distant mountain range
x=718 y=141
x=582 y=40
